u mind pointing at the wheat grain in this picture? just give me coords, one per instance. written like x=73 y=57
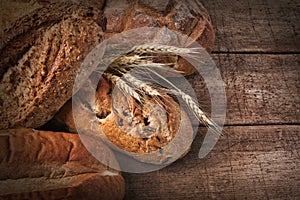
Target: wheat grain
x=122 y=85
x=166 y=49
x=146 y=88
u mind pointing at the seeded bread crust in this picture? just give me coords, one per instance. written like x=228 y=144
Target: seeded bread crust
x=41 y=55
x=47 y=165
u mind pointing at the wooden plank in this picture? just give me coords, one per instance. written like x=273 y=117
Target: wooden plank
x=255 y=162
x=260 y=89
x=255 y=26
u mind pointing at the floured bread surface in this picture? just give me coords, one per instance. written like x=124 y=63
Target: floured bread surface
x=41 y=54
x=47 y=165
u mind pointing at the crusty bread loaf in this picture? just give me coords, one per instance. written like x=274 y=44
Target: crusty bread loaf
x=40 y=56
x=42 y=51
x=158 y=127
x=46 y=165
x=188 y=17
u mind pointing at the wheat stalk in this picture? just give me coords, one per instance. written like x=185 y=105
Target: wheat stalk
x=164 y=49
x=135 y=59
x=158 y=48
x=195 y=108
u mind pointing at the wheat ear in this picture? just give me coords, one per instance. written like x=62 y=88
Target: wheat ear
x=122 y=85
x=142 y=85
x=134 y=58
x=195 y=108
x=165 y=49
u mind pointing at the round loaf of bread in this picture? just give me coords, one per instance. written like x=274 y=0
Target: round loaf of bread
x=157 y=131
x=46 y=165
x=188 y=17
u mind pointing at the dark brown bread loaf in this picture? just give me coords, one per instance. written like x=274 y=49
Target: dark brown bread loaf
x=40 y=55
x=45 y=165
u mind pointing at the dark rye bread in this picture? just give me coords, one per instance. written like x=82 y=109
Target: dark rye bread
x=131 y=127
x=40 y=55
x=45 y=165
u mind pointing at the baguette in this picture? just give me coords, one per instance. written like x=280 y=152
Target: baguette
x=46 y=165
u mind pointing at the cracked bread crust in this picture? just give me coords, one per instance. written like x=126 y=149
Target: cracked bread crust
x=188 y=17
x=150 y=133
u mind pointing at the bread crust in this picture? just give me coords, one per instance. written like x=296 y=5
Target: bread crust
x=41 y=54
x=55 y=165
x=187 y=17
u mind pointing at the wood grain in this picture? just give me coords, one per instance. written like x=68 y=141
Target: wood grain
x=260 y=89
x=257 y=51
x=252 y=162
x=255 y=26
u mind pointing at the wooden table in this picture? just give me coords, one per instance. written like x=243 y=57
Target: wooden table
x=257 y=50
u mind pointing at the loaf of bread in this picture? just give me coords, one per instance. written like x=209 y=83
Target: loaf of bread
x=42 y=51
x=188 y=17
x=46 y=165
x=159 y=129
x=40 y=56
